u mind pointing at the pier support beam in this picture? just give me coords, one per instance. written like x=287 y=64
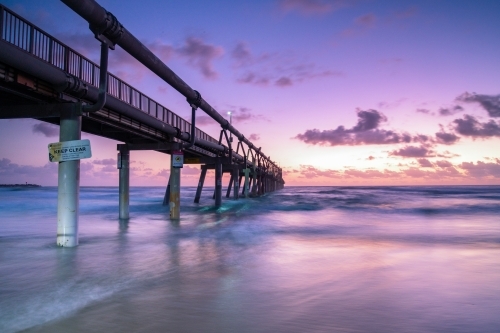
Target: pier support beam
x=235 y=177
x=175 y=191
x=124 y=183
x=166 y=198
x=68 y=185
x=247 y=183
x=230 y=185
x=200 y=183
x=218 y=182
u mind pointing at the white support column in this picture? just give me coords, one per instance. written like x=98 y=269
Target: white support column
x=124 y=183
x=68 y=185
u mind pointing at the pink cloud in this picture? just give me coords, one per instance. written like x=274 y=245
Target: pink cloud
x=482 y=169
x=443 y=164
x=425 y=163
x=309 y=171
x=439 y=172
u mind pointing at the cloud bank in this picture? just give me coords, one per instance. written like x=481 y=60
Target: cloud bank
x=365 y=132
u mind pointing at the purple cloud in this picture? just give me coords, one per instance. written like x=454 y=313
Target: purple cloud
x=201 y=55
x=205 y=120
x=243 y=56
x=403 y=14
x=368 y=120
x=49 y=130
x=284 y=82
x=446 y=138
x=424 y=111
x=470 y=126
x=311 y=7
x=109 y=168
x=253 y=78
x=242 y=53
x=243 y=114
x=391 y=105
x=281 y=70
x=12 y=173
x=254 y=137
x=367 y=20
x=450 y=111
x=491 y=103
x=412 y=151
x=106 y=161
x=361 y=24
x=365 y=132
x=163 y=173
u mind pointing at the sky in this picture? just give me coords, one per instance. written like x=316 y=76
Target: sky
x=337 y=92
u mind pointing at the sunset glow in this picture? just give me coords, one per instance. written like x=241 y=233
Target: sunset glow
x=336 y=92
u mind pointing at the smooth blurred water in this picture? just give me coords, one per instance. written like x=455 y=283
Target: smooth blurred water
x=303 y=259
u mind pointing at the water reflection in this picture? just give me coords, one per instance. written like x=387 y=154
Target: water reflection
x=251 y=267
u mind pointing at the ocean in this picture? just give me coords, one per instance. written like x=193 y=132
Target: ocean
x=302 y=259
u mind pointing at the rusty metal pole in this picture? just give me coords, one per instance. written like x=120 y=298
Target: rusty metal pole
x=218 y=182
x=247 y=173
x=228 y=192
x=175 y=191
x=124 y=183
x=200 y=183
x=236 y=191
x=254 y=178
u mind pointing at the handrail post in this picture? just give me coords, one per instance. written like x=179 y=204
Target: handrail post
x=32 y=41
x=2 y=13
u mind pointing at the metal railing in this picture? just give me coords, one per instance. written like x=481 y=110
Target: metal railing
x=23 y=34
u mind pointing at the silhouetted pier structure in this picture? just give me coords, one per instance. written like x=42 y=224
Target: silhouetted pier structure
x=42 y=78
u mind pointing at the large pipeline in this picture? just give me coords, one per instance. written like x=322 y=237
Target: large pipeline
x=107 y=24
x=61 y=81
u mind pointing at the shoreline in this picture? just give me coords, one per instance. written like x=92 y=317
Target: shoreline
x=20 y=185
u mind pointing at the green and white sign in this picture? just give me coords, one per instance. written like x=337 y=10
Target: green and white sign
x=69 y=150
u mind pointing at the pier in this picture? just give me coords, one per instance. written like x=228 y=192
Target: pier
x=44 y=79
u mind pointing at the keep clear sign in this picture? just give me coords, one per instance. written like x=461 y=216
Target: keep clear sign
x=69 y=150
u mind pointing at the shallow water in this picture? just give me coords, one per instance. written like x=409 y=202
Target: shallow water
x=303 y=259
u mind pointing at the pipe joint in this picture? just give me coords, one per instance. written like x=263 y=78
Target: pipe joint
x=196 y=101
x=109 y=31
x=75 y=86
